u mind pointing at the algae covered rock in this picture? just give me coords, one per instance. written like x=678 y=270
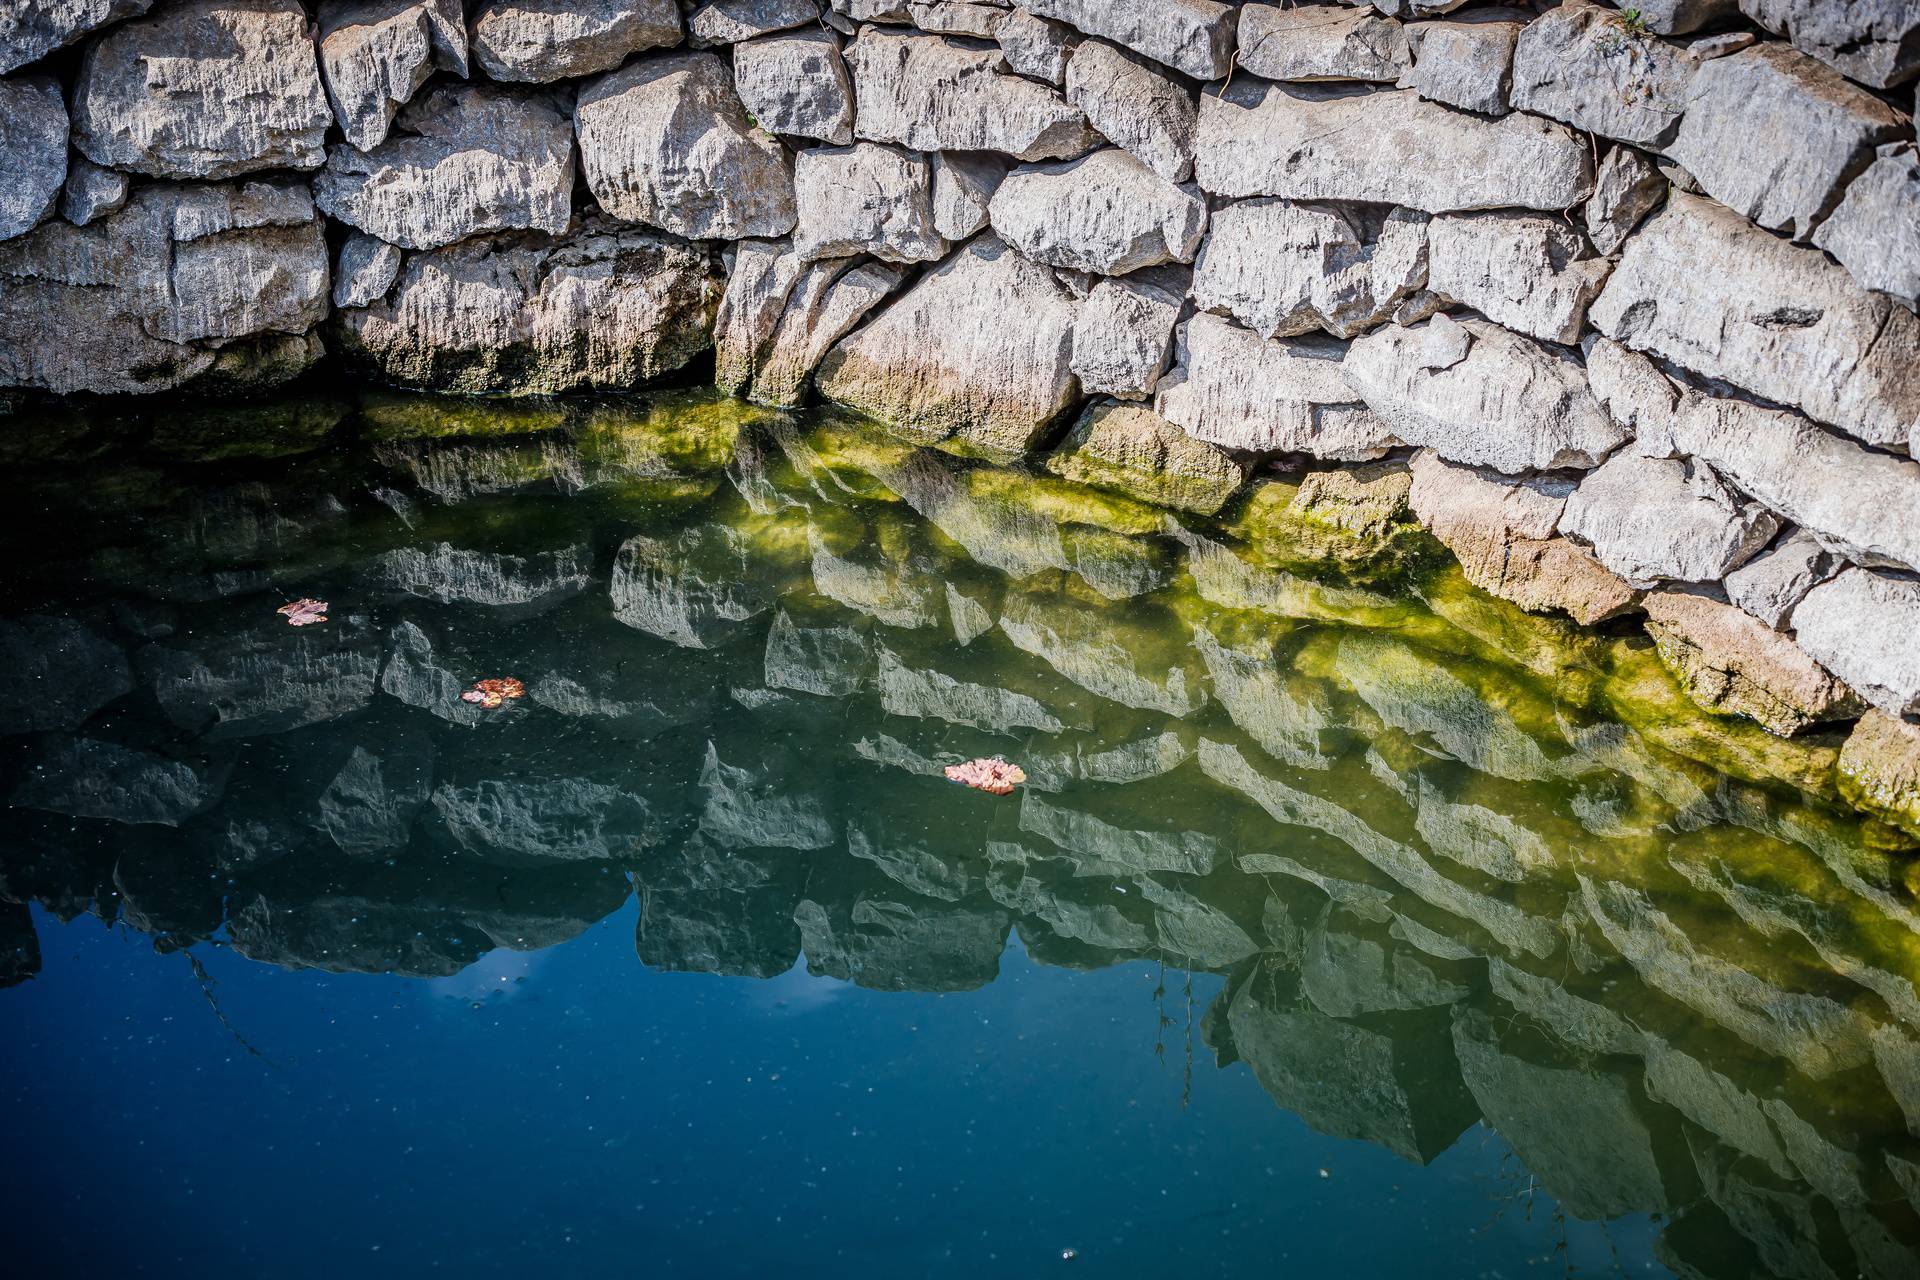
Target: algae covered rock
x=1133 y=449
x=1731 y=662
x=1347 y=523
x=1879 y=770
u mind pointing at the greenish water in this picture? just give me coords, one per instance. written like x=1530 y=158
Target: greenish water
x=1348 y=919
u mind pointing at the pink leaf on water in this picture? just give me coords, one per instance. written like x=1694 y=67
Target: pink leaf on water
x=304 y=612
x=992 y=775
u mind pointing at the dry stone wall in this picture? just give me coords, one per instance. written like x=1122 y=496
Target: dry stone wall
x=1630 y=292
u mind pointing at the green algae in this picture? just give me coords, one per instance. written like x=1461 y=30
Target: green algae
x=1352 y=530
x=231 y=432
x=408 y=415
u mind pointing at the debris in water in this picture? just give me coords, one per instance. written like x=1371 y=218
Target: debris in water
x=304 y=612
x=992 y=775
x=489 y=694
x=1068 y=1255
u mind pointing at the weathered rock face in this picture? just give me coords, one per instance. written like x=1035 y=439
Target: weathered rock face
x=1527 y=271
x=943 y=362
x=375 y=55
x=204 y=89
x=183 y=282
x=1864 y=232
x=963 y=187
x=91 y=192
x=1772 y=134
x=1035 y=47
x=1233 y=388
x=1393 y=147
x=523 y=40
x=1625 y=191
x=1508 y=403
x=1733 y=664
x=607 y=306
x=827 y=301
x=86 y=778
x=364 y=271
x=1771 y=584
x=1193 y=36
x=1876 y=42
x=732 y=21
x=33 y=151
x=866 y=198
x=29 y=31
x=1879 y=770
x=1861 y=626
x=1106 y=213
x=1704 y=288
x=1466 y=64
x=468 y=159
x=1582 y=65
x=1320 y=44
x=1123 y=335
x=666 y=142
x=1135 y=105
x=796 y=83
x=936 y=94
x=1134 y=450
x=1654 y=519
x=1283 y=267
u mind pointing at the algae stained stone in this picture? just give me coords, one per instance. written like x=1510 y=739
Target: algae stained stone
x=1134 y=450
x=1879 y=770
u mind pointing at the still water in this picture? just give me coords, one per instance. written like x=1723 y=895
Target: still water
x=1349 y=922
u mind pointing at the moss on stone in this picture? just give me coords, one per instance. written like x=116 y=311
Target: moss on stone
x=229 y=432
x=1347 y=524
x=1878 y=772
x=409 y=415
x=670 y=434
x=1064 y=502
x=1132 y=450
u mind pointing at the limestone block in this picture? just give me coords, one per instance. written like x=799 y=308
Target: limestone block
x=546 y=40
x=963 y=187
x=1772 y=134
x=203 y=89
x=1703 y=287
x=1124 y=335
x=1320 y=43
x=1861 y=626
x=1875 y=231
x=1876 y=42
x=665 y=141
x=1527 y=271
x=1502 y=531
x=1136 y=105
x=467 y=159
x=1134 y=450
x=1581 y=64
x=1467 y=63
x=375 y=55
x=609 y=305
x=796 y=83
x=1191 y=36
x=1656 y=519
x=1036 y=47
x=31 y=29
x=1388 y=147
x=1511 y=404
x=942 y=361
x=1105 y=213
x=936 y=94
x=1774 y=582
x=1233 y=388
x=1625 y=190
x=716 y=22
x=1283 y=267
x=33 y=151
x=866 y=198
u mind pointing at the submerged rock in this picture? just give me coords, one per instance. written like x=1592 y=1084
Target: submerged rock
x=55 y=673
x=1879 y=770
x=516 y=822
x=692 y=589
x=87 y=778
x=268 y=682
x=935 y=695
x=1134 y=450
x=1732 y=663
x=521 y=584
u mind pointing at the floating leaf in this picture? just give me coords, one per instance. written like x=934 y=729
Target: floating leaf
x=492 y=693
x=304 y=612
x=994 y=776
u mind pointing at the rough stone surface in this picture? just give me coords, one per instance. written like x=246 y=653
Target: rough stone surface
x=1527 y=271
x=1232 y=387
x=33 y=151
x=1320 y=43
x=87 y=778
x=1876 y=42
x=1134 y=450
x=1771 y=584
x=1656 y=519
x=666 y=142
x=146 y=299
x=1580 y=64
x=963 y=187
x=1703 y=287
x=1036 y=47
x=1625 y=190
x=1192 y=36
x=1861 y=626
x=1510 y=404
x=1387 y=147
x=204 y=89
x=31 y=29
x=91 y=192
x=1283 y=267
x=546 y=40
x=365 y=270
x=943 y=361
x=1466 y=64
x=1879 y=770
x=717 y=22
x=1123 y=335
x=1734 y=664
x=866 y=198
x=1772 y=134
x=761 y=276
x=375 y=55
x=1875 y=231
x=1502 y=530
x=467 y=159
x=1677 y=17
x=956 y=18
x=826 y=303
x=937 y=94
x=607 y=306
x=796 y=83
x=1106 y=213
x=1136 y=105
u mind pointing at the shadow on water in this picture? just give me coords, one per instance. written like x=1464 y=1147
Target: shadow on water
x=1454 y=863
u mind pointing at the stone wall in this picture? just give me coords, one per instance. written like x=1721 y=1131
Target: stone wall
x=1630 y=292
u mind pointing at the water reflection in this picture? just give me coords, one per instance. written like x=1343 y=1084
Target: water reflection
x=1456 y=863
